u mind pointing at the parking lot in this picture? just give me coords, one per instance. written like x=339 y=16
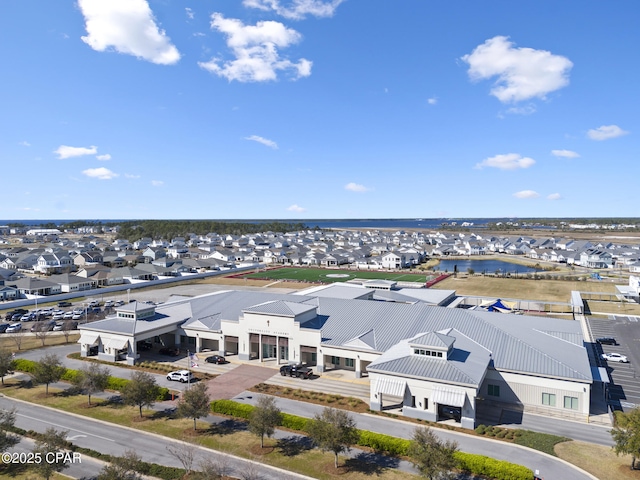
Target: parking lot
x=624 y=390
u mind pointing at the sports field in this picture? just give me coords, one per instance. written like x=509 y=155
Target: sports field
x=321 y=275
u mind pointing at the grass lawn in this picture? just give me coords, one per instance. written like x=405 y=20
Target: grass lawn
x=288 y=455
x=29 y=342
x=545 y=290
x=329 y=275
x=598 y=460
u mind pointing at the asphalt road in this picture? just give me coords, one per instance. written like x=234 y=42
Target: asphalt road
x=116 y=440
x=548 y=466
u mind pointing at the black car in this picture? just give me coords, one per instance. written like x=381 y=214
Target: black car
x=606 y=341
x=219 y=359
x=3 y=327
x=64 y=304
x=13 y=313
x=447 y=411
x=145 y=345
x=296 y=371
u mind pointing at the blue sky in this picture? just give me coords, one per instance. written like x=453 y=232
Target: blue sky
x=310 y=109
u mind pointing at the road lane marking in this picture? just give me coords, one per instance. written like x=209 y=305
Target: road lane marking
x=62 y=426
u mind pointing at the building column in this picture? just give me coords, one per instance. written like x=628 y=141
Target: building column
x=198 y=343
x=320 y=366
x=260 y=347
x=176 y=339
x=222 y=347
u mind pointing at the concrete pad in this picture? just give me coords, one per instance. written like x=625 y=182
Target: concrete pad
x=230 y=384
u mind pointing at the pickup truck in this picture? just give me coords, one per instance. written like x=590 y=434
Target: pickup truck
x=296 y=371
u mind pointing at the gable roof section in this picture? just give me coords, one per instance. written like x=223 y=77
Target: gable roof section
x=367 y=340
x=280 y=307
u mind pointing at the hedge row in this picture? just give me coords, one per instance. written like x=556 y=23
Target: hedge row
x=467 y=462
x=492 y=468
x=71 y=375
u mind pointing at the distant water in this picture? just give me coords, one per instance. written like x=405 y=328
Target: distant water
x=487 y=266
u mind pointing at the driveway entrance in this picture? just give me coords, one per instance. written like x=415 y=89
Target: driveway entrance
x=230 y=384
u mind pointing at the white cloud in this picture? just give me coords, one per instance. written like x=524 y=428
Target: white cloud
x=432 y=100
x=157 y=183
x=356 y=187
x=190 y=14
x=256 y=50
x=554 y=196
x=296 y=208
x=526 y=194
x=262 y=140
x=522 y=73
x=65 y=151
x=565 y=154
x=127 y=26
x=525 y=110
x=25 y=144
x=99 y=173
x=298 y=9
x=509 y=161
x=605 y=132
x=131 y=176
x=104 y=157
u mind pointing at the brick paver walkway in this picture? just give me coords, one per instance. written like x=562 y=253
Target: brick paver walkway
x=230 y=384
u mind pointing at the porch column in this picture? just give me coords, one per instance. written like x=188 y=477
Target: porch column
x=358 y=367
x=260 y=347
x=176 y=339
x=198 y=343
x=222 y=347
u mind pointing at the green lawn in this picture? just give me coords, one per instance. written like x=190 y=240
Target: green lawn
x=328 y=275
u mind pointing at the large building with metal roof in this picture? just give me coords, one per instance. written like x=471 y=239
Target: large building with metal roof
x=432 y=359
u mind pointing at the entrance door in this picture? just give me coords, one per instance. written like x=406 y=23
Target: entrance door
x=284 y=352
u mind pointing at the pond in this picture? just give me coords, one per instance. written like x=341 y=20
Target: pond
x=486 y=266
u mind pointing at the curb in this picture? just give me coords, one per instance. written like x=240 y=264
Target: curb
x=204 y=449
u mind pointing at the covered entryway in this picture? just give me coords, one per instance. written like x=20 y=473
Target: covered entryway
x=389 y=390
x=449 y=403
x=308 y=355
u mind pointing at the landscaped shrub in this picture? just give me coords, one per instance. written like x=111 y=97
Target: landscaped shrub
x=384 y=443
x=543 y=442
x=70 y=376
x=490 y=467
x=23 y=365
x=294 y=422
x=115 y=383
x=231 y=408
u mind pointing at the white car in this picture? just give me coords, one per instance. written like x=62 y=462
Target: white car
x=182 y=376
x=615 y=357
x=67 y=315
x=13 y=328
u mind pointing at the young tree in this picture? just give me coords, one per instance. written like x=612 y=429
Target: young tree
x=17 y=338
x=431 y=456
x=212 y=469
x=195 y=403
x=7 y=420
x=7 y=363
x=122 y=468
x=626 y=434
x=264 y=418
x=67 y=328
x=48 y=369
x=333 y=431
x=141 y=391
x=185 y=453
x=92 y=378
x=42 y=332
x=50 y=442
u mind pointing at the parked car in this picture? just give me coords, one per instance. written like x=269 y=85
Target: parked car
x=76 y=316
x=219 y=359
x=3 y=327
x=78 y=311
x=296 y=371
x=447 y=411
x=64 y=304
x=17 y=311
x=615 y=357
x=13 y=328
x=171 y=351
x=108 y=304
x=57 y=316
x=43 y=326
x=144 y=345
x=17 y=316
x=181 y=376
x=94 y=303
x=67 y=315
x=27 y=317
x=606 y=341
x=68 y=325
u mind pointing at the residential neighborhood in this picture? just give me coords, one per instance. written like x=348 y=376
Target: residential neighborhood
x=42 y=262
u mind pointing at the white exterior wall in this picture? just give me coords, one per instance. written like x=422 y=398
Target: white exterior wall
x=527 y=390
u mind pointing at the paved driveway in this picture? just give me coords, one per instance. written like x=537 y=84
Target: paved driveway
x=230 y=384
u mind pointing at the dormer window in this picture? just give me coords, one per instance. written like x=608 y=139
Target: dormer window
x=428 y=353
x=433 y=344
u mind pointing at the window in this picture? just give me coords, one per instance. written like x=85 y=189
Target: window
x=348 y=362
x=413 y=401
x=439 y=354
x=494 y=390
x=571 y=402
x=549 y=399
x=425 y=404
x=335 y=360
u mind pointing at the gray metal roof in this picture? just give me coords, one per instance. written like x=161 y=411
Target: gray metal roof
x=433 y=339
x=280 y=307
x=466 y=364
